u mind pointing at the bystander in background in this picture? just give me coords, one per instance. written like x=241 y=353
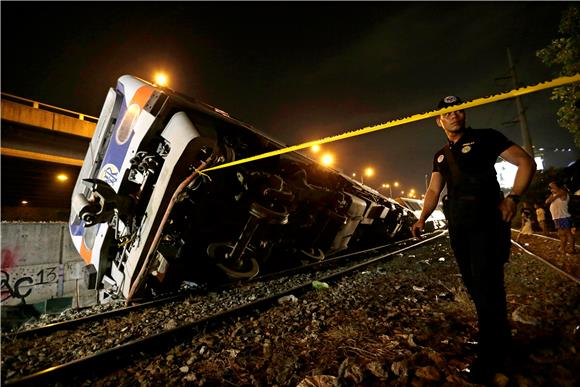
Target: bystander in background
x=526 y=219
x=558 y=202
x=541 y=217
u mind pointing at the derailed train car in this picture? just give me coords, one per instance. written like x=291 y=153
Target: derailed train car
x=145 y=217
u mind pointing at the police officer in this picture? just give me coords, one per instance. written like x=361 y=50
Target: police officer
x=479 y=220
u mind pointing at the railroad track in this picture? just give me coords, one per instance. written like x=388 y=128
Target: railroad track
x=136 y=344
x=543 y=237
x=310 y=268
x=565 y=265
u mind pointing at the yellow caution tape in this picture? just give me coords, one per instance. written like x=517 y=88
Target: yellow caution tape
x=416 y=117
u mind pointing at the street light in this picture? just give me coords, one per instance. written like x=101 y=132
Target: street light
x=161 y=79
x=62 y=177
x=315 y=148
x=369 y=171
x=327 y=159
x=390 y=189
x=396 y=185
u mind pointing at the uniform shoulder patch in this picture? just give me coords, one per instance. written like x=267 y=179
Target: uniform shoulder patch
x=440 y=159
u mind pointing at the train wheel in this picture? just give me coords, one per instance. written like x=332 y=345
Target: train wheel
x=249 y=269
x=314 y=255
x=246 y=269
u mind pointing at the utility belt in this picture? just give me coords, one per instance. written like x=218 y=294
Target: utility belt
x=465 y=209
x=473 y=198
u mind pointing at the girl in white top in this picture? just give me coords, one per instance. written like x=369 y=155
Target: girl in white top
x=526 y=219
x=558 y=202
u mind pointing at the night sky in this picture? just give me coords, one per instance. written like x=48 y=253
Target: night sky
x=300 y=71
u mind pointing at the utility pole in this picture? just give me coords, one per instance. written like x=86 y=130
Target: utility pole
x=520 y=107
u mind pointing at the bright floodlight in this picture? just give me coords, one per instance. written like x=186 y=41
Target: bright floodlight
x=24 y=202
x=315 y=148
x=61 y=177
x=369 y=172
x=327 y=159
x=161 y=79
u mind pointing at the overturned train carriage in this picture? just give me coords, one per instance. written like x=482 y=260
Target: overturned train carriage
x=145 y=218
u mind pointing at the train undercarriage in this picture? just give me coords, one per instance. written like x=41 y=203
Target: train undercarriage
x=146 y=218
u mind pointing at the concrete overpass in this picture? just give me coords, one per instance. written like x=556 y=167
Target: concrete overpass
x=39 y=131
x=40 y=266
x=40 y=141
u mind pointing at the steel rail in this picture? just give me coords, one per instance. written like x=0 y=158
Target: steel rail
x=543 y=260
x=545 y=237
x=328 y=261
x=71 y=324
x=116 y=357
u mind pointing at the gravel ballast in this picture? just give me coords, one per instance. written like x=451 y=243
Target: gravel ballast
x=408 y=321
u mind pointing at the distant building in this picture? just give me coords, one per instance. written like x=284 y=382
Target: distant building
x=506 y=172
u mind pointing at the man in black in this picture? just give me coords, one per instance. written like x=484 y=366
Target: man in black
x=479 y=220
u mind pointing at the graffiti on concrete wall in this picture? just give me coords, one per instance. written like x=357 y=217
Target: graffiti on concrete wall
x=40 y=264
x=9 y=258
x=22 y=284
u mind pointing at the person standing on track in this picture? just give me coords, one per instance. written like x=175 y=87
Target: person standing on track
x=541 y=217
x=526 y=219
x=479 y=223
x=558 y=202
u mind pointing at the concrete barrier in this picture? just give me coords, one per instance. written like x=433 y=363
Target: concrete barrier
x=41 y=266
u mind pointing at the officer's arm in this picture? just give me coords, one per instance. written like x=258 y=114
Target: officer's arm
x=516 y=155
x=432 y=195
x=429 y=203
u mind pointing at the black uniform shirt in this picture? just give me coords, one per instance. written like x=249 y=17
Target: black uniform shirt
x=475 y=185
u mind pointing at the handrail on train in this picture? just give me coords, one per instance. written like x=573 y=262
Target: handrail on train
x=40 y=105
